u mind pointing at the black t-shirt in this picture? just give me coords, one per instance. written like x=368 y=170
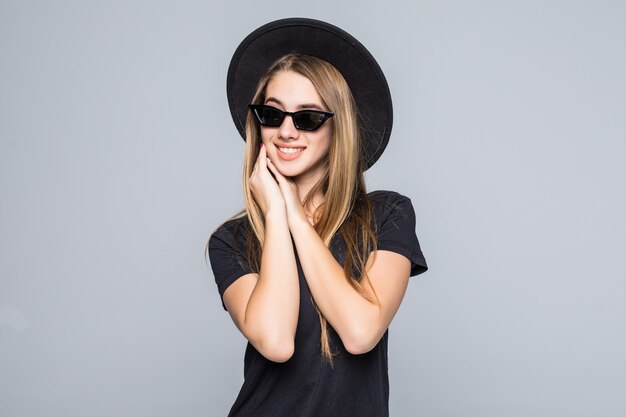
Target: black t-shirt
x=306 y=385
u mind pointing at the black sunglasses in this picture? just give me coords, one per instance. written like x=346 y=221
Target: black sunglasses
x=303 y=120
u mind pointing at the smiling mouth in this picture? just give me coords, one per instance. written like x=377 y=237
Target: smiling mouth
x=290 y=150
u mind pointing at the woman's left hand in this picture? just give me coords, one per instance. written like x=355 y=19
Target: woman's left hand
x=289 y=189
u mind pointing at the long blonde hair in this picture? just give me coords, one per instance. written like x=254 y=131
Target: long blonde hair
x=346 y=209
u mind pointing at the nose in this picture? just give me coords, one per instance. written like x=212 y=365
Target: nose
x=288 y=130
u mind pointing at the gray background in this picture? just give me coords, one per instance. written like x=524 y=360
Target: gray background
x=118 y=159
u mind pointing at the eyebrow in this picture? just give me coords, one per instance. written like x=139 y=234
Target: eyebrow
x=301 y=106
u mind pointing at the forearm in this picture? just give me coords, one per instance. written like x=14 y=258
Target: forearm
x=272 y=312
x=355 y=318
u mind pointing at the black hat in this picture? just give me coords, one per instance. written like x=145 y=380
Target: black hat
x=366 y=80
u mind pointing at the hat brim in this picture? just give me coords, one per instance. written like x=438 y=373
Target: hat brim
x=366 y=80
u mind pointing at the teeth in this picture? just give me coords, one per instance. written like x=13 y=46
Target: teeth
x=290 y=150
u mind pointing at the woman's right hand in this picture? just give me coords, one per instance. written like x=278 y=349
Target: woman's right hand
x=264 y=187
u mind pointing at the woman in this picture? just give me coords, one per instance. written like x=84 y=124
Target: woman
x=314 y=269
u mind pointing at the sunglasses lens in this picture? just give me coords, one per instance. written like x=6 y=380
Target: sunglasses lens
x=269 y=116
x=309 y=120
x=303 y=120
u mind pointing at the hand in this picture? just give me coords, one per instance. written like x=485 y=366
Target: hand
x=264 y=187
x=289 y=191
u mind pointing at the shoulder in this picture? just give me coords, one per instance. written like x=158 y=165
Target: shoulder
x=385 y=202
x=386 y=196
x=395 y=227
x=231 y=245
x=231 y=231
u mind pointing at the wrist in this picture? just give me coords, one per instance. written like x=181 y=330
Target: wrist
x=298 y=222
x=276 y=215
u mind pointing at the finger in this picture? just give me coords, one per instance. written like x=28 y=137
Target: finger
x=283 y=182
x=258 y=159
x=274 y=170
x=262 y=157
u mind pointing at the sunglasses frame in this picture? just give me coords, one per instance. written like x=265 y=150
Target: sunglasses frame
x=294 y=116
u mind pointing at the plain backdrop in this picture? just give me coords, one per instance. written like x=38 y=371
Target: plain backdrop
x=118 y=159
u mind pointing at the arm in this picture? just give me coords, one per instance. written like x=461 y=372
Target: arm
x=359 y=323
x=265 y=306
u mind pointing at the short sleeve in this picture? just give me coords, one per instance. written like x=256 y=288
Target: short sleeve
x=396 y=229
x=226 y=249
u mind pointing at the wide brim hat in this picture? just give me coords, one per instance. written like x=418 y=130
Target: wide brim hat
x=366 y=80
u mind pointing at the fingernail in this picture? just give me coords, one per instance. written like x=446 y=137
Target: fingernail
x=268 y=160
x=261 y=144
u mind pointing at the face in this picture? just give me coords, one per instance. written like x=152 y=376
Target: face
x=296 y=153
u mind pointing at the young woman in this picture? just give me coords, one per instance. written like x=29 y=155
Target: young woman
x=313 y=270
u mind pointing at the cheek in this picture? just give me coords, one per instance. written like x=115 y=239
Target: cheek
x=324 y=144
x=266 y=137
x=323 y=150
